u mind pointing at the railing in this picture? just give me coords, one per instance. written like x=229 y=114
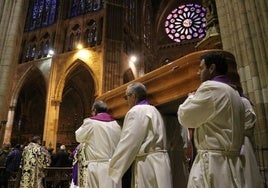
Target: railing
x=54 y=177
x=61 y=176
x=57 y=177
x=14 y=180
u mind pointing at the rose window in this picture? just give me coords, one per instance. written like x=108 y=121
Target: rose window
x=186 y=22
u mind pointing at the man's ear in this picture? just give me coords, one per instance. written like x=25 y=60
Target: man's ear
x=212 y=68
x=93 y=112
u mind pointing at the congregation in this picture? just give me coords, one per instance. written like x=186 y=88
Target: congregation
x=30 y=160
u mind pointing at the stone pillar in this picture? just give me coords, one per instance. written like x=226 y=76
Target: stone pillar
x=9 y=124
x=12 y=16
x=244 y=27
x=51 y=123
x=113 y=45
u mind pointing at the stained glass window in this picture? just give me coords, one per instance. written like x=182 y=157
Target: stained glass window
x=37 y=49
x=40 y=50
x=46 y=48
x=41 y=13
x=33 y=52
x=27 y=55
x=74 y=37
x=131 y=13
x=147 y=36
x=186 y=22
x=79 y=7
x=91 y=37
x=71 y=42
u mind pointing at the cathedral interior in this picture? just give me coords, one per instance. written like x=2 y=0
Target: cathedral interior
x=58 y=56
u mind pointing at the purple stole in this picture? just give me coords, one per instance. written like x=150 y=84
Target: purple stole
x=226 y=80
x=142 y=102
x=222 y=79
x=103 y=117
x=75 y=170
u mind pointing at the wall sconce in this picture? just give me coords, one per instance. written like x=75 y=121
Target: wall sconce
x=133 y=59
x=79 y=46
x=51 y=53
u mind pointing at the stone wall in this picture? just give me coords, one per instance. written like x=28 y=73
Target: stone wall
x=244 y=32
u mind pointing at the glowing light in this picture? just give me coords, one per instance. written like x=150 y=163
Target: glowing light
x=51 y=52
x=131 y=63
x=133 y=59
x=83 y=54
x=79 y=46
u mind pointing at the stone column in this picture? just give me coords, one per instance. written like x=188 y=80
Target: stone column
x=244 y=32
x=12 y=16
x=9 y=124
x=51 y=123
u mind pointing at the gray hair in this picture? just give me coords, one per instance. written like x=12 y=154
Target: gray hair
x=36 y=139
x=138 y=89
x=99 y=106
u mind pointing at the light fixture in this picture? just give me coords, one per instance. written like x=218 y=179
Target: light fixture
x=133 y=59
x=84 y=54
x=51 y=52
x=79 y=46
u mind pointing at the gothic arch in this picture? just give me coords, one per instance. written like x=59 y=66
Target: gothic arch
x=164 y=8
x=128 y=76
x=21 y=80
x=77 y=63
x=78 y=92
x=27 y=107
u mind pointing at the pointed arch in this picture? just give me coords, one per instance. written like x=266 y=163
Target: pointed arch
x=128 y=76
x=77 y=91
x=68 y=71
x=27 y=107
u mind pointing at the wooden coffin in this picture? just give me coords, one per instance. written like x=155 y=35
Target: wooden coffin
x=167 y=84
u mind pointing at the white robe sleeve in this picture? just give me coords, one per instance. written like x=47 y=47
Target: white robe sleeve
x=197 y=108
x=132 y=136
x=84 y=131
x=250 y=116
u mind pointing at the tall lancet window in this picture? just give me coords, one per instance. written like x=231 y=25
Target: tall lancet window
x=79 y=7
x=31 y=50
x=131 y=13
x=147 y=32
x=41 y=13
x=40 y=50
x=46 y=48
x=186 y=22
x=71 y=44
x=91 y=33
x=74 y=37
